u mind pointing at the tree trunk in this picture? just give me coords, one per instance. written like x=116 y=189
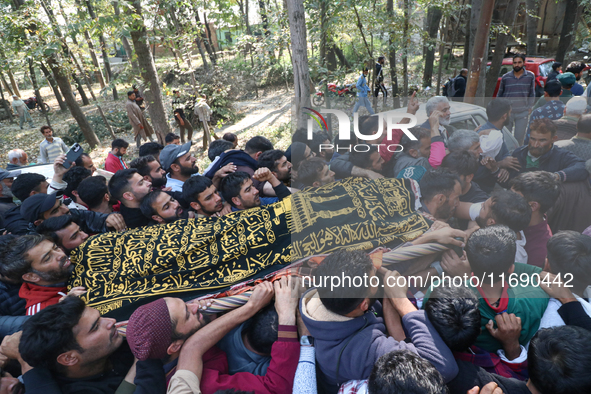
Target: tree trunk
x=341 y=57
x=501 y=44
x=441 y=52
x=467 y=41
x=248 y=29
x=149 y=74
x=204 y=38
x=392 y=57
x=406 y=42
x=6 y=106
x=478 y=61
x=474 y=20
x=126 y=45
x=299 y=44
x=103 y=45
x=210 y=40
x=6 y=85
x=567 y=34
x=62 y=80
x=13 y=83
x=200 y=47
x=532 y=26
x=54 y=87
x=434 y=19
x=90 y=44
x=57 y=31
x=323 y=31
x=37 y=92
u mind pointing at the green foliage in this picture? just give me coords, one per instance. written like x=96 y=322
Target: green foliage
x=118 y=121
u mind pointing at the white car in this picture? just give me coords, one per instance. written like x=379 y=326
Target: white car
x=465 y=116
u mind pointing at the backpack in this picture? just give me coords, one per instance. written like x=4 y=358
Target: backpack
x=449 y=89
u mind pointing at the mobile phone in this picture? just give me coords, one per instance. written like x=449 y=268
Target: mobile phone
x=74 y=153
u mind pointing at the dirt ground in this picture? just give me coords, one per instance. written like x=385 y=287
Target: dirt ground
x=267 y=116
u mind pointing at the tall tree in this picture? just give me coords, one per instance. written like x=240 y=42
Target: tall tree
x=104 y=52
x=532 y=26
x=475 y=83
x=91 y=50
x=299 y=45
x=392 y=55
x=54 y=87
x=61 y=79
x=125 y=42
x=37 y=92
x=568 y=29
x=433 y=20
x=153 y=90
x=508 y=20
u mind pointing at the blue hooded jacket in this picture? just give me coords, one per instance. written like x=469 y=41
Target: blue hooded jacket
x=355 y=345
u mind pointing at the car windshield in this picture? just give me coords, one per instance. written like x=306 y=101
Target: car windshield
x=545 y=69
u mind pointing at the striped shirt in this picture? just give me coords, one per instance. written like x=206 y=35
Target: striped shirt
x=48 y=152
x=521 y=91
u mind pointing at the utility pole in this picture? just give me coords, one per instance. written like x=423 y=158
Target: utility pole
x=479 y=51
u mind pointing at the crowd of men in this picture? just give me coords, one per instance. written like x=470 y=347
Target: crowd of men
x=519 y=219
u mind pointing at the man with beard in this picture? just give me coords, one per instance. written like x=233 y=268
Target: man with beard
x=180 y=164
x=519 y=85
x=130 y=188
x=277 y=163
x=441 y=104
x=70 y=348
x=64 y=231
x=43 y=267
x=238 y=190
x=151 y=170
x=163 y=208
x=114 y=161
x=541 y=155
x=440 y=194
x=577 y=69
x=203 y=197
x=159 y=330
x=6 y=179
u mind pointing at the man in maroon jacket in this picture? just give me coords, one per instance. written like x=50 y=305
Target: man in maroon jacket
x=160 y=329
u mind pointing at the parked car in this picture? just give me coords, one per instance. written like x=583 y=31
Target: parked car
x=465 y=116
x=540 y=66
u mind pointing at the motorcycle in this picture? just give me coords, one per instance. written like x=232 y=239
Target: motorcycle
x=32 y=103
x=345 y=91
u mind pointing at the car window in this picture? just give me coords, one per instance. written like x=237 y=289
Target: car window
x=465 y=123
x=545 y=69
x=505 y=68
x=480 y=120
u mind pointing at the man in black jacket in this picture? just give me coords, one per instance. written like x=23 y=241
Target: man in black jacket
x=540 y=154
x=41 y=207
x=69 y=347
x=130 y=188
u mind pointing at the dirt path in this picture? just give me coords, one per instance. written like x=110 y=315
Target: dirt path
x=256 y=117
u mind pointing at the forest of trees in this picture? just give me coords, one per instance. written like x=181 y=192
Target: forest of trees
x=68 y=43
